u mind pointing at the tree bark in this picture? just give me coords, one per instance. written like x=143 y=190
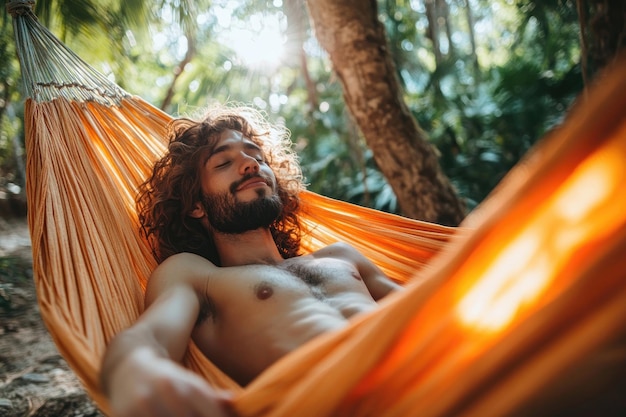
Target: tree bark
x=602 y=34
x=355 y=40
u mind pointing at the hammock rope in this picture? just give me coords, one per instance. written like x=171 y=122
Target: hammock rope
x=493 y=312
x=47 y=68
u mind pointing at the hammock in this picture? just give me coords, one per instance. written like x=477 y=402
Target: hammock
x=494 y=313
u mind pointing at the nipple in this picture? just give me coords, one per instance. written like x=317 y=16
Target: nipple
x=264 y=291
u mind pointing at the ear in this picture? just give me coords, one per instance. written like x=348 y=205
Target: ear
x=197 y=212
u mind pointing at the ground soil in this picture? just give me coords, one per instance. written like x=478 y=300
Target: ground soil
x=35 y=381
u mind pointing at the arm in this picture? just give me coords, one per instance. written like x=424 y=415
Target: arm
x=140 y=372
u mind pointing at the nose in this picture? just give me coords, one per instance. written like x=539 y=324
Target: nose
x=249 y=164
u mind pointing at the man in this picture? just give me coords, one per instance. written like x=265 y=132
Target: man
x=221 y=213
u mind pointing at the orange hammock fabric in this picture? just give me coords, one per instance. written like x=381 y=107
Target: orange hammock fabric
x=493 y=313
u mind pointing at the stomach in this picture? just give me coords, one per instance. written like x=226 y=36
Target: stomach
x=245 y=344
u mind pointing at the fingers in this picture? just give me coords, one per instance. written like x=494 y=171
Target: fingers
x=171 y=391
x=207 y=402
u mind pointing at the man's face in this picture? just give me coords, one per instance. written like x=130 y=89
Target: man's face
x=239 y=187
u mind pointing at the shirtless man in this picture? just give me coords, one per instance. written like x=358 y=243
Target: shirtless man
x=221 y=213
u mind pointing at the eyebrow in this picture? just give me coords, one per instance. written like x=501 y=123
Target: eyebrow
x=246 y=145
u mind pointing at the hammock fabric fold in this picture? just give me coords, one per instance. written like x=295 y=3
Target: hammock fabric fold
x=493 y=315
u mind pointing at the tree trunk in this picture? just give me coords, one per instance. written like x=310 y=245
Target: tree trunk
x=443 y=12
x=354 y=38
x=603 y=34
x=469 y=16
x=433 y=30
x=191 y=51
x=296 y=33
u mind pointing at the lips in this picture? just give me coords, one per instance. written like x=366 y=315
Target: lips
x=252 y=182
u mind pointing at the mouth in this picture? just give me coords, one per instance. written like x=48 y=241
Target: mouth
x=252 y=183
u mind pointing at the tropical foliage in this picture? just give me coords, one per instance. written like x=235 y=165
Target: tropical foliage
x=485 y=79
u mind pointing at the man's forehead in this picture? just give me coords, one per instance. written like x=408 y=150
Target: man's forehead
x=230 y=139
x=230 y=135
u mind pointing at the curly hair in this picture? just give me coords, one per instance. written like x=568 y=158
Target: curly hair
x=167 y=197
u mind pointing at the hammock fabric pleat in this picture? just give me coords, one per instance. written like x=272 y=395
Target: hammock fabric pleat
x=493 y=313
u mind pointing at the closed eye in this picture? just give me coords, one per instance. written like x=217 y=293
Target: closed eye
x=222 y=164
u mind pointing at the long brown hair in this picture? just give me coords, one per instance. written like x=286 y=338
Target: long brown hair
x=167 y=197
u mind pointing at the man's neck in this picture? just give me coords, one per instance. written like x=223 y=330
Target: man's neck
x=252 y=247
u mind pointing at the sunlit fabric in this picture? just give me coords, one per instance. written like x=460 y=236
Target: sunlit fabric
x=494 y=312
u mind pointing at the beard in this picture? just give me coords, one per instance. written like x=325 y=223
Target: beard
x=229 y=216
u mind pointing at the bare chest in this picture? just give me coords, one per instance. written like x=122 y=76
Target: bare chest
x=254 y=314
x=322 y=278
x=276 y=308
x=254 y=287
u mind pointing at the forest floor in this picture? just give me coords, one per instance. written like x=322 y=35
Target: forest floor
x=35 y=381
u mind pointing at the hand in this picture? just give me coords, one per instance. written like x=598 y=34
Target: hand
x=146 y=385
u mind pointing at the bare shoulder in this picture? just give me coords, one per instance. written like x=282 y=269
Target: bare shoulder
x=337 y=250
x=182 y=269
x=343 y=251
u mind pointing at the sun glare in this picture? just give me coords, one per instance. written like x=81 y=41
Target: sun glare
x=260 y=45
x=583 y=211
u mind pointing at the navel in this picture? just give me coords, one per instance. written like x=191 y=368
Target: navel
x=263 y=291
